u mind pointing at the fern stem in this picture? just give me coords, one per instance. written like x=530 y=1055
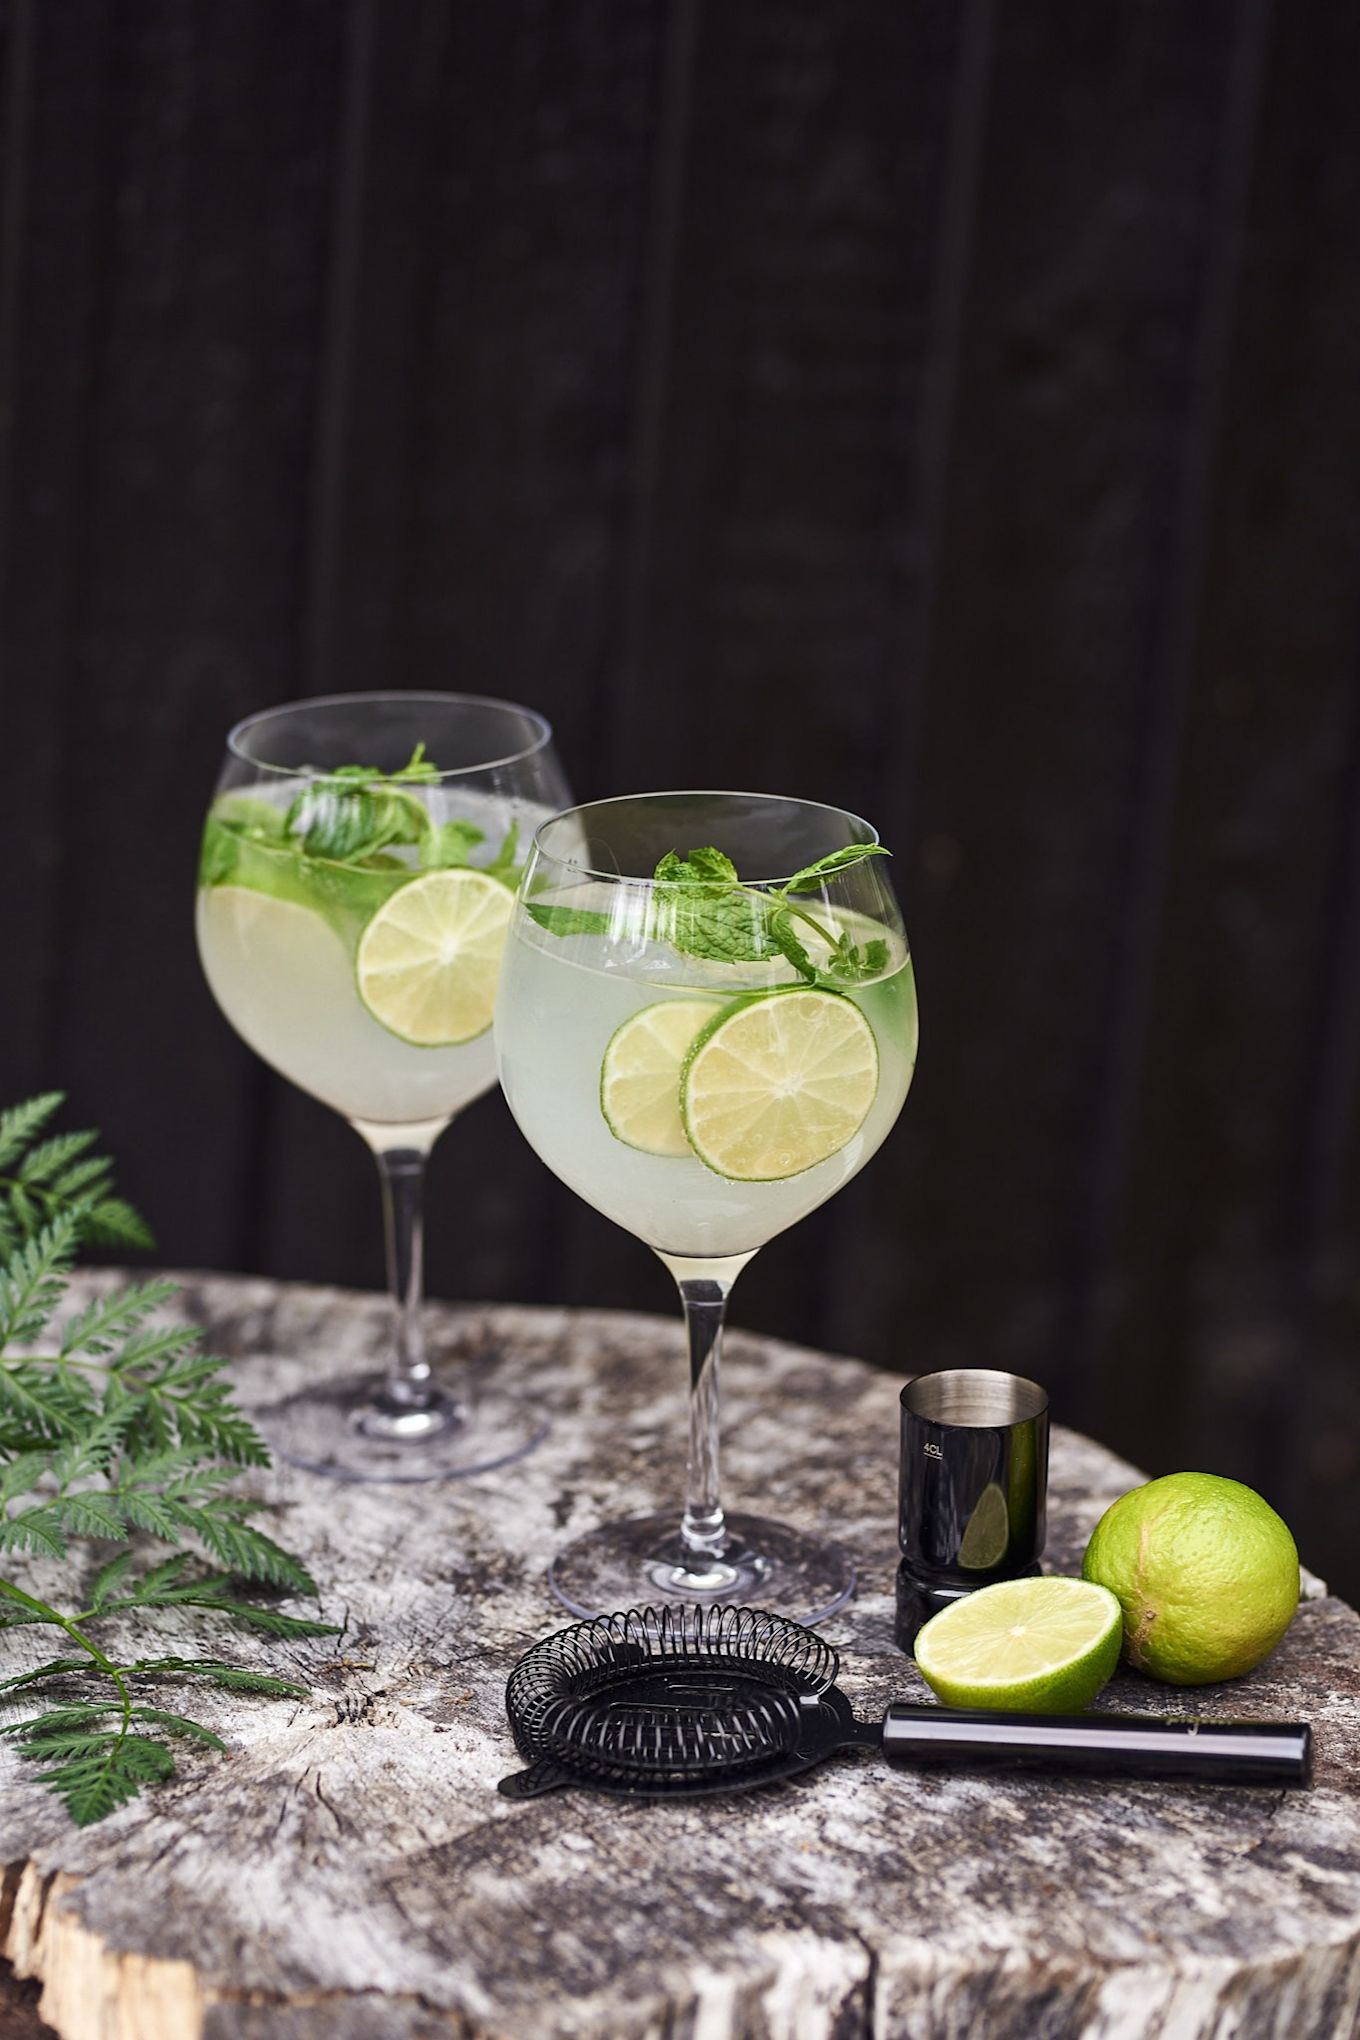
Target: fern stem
x=77 y=1635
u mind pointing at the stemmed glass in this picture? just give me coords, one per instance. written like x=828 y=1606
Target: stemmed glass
x=705 y=1060
x=355 y=888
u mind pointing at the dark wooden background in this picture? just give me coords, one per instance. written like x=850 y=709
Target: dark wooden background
x=945 y=407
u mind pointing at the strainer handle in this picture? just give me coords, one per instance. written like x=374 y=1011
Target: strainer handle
x=1103 y=1745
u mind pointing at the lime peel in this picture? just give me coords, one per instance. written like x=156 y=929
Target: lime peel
x=640 y=1074
x=1206 y=1572
x=1042 y=1646
x=778 y=1082
x=428 y=960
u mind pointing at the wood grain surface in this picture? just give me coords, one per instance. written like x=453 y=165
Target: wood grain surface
x=943 y=408
x=349 y=1870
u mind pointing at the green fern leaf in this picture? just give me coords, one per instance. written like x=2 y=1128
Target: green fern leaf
x=92 y=1512
x=20 y=1124
x=112 y=1222
x=38 y=1529
x=248 y=1551
x=109 y=1579
x=30 y=1285
x=55 y=1668
x=104 y=1777
x=98 y=1328
x=179 y=1724
x=51 y=1156
x=232 y=1678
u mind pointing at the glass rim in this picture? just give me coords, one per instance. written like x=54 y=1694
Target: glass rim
x=689 y=793
x=542 y=727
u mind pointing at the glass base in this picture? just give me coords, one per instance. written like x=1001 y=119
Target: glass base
x=643 y=1562
x=352 y=1430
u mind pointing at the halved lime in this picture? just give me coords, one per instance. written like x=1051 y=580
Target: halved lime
x=428 y=960
x=777 y=1083
x=1045 y=1646
x=640 y=1074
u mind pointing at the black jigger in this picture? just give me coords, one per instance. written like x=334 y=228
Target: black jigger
x=973 y=1481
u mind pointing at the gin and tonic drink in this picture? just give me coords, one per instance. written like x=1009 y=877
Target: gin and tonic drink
x=356 y=886
x=705 y=1057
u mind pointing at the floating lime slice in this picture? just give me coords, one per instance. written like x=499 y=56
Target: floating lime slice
x=777 y=1083
x=1044 y=1646
x=428 y=960
x=640 y=1075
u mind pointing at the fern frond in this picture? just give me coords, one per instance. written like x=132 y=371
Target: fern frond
x=51 y=1156
x=97 y=1329
x=112 y=1222
x=103 y=1776
x=232 y=1678
x=20 y=1124
x=55 y=1668
x=30 y=1285
x=179 y=1724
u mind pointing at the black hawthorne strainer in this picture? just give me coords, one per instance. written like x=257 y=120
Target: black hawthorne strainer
x=661 y=1703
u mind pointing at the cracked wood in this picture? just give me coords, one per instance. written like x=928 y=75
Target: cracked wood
x=349 y=1868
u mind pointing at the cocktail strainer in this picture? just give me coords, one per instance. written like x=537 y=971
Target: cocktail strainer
x=662 y=1703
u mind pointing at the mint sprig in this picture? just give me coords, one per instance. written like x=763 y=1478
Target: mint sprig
x=702 y=908
x=355 y=816
x=357 y=811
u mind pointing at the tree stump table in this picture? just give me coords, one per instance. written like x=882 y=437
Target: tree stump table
x=350 y=1870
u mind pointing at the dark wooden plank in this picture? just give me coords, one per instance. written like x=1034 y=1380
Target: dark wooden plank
x=202 y=189
x=1237 y=1197
x=54 y=167
x=1155 y=894
x=490 y=245
x=1074 y=387
x=777 y=406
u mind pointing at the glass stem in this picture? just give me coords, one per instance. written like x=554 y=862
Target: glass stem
x=702 y=1528
x=402 y=1171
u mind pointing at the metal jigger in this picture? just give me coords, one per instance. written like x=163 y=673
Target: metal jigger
x=973 y=1481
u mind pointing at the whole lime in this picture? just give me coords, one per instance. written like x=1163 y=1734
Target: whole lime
x=1205 y=1571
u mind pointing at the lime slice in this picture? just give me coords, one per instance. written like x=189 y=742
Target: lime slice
x=640 y=1074
x=428 y=960
x=776 y=1084
x=1046 y=1646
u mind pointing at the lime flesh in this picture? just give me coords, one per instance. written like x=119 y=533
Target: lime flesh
x=640 y=1074
x=778 y=1083
x=1039 y=1646
x=1206 y=1573
x=428 y=960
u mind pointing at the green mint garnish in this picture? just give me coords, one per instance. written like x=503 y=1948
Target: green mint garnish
x=568 y=920
x=354 y=820
x=705 y=910
x=701 y=908
x=503 y=865
x=453 y=843
x=356 y=811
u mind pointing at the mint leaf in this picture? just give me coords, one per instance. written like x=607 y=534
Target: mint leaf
x=784 y=938
x=705 y=866
x=503 y=865
x=356 y=811
x=344 y=822
x=813 y=876
x=418 y=766
x=701 y=908
x=568 y=920
x=453 y=844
